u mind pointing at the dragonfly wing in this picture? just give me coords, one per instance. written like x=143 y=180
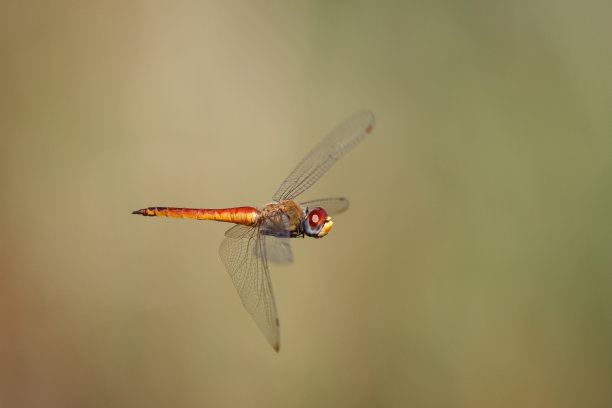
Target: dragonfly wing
x=333 y=206
x=277 y=250
x=325 y=154
x=277 y=233
x=251 y=277
x=239 y=231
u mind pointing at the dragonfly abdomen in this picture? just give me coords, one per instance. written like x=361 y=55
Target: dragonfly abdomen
x=237 y=215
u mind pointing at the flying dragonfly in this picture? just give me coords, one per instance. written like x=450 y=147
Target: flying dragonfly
x=262 y=234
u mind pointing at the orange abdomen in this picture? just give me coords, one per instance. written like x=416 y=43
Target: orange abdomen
x=237 y=215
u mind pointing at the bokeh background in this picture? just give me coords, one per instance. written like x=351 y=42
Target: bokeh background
x=473 y=269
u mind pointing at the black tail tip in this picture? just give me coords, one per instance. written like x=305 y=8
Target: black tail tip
x=138 y=212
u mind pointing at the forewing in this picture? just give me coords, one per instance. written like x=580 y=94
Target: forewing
x=277 y=233
x=277 y=250
x=333 y=206
x=251 y=277
x=325 y=154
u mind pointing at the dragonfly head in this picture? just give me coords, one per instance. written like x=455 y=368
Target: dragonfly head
x=317 y=223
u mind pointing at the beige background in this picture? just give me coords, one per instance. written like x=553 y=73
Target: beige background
x=473 y=268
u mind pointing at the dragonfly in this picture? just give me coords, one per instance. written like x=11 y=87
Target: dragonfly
x=262 y=235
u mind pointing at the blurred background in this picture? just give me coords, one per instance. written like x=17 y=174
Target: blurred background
x=473 y=268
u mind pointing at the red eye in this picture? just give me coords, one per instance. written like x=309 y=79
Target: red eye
x=316 y=217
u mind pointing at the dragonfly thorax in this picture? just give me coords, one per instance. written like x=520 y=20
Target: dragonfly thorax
x=299 y=221
x=283 y=215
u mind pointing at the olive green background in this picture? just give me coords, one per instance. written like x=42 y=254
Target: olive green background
x=473 y=269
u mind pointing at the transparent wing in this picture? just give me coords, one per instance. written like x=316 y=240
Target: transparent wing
x=278 y=250
x=250 y=275
x=276 y=228
x=325 y=154
x=333 y=206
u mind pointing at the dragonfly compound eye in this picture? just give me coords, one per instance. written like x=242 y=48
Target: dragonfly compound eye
x=317 y=217
x=318 y=223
